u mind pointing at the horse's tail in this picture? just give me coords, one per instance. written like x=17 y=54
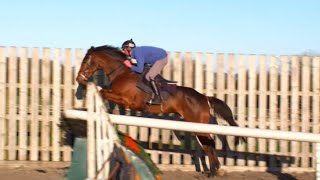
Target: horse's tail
x=222 y=110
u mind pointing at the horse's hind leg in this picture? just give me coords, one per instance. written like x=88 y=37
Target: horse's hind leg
x=208 y=147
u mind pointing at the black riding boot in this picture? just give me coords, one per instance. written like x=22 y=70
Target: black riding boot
x=156 y=99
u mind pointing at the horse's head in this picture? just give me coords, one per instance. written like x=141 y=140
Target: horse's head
x=106 y=58
x=88 y=66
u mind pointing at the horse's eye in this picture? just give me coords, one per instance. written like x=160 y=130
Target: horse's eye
x=86 y=62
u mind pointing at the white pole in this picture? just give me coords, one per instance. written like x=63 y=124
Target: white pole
x=203 y=128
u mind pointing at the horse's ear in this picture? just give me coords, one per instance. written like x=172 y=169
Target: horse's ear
x=89 y=50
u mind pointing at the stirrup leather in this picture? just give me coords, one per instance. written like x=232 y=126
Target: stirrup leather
x=157 y=98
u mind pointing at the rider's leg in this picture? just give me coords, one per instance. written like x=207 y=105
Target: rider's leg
x=156 y=68
x=156 y=99
x=151 y=74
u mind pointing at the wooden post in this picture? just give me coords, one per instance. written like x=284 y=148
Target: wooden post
x=231 y=99
x=34 y=126
x=220 y=81
x=199 y=80
x=273 y=107
x=98 y=136
x=67 y=94
x=56 y=105
x=295 y=74
x=13 y=103
x=199 y=73
x=165 y=146
x=209 y=75
x=252 y=107
x=67 y=80
x=188 y=70
x=166 y=72
x=284 y=102
x=3 y=100
x=107 y=139
x=189 y=81
x=305 y=111
x=133 y=132
x=90 y=133
x=177 y=68
x=262 y=117
x=210 y=78
x=45 y=101
x=241 y=104
x=23 y=104
x=178 y=75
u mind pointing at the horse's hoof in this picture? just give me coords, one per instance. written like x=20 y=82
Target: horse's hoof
x=220 y=172
x=206 y=173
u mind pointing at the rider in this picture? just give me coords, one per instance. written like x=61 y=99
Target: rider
x=142 y=55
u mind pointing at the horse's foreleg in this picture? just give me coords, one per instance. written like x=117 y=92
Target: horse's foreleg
x=112 y=97
x=208 y=147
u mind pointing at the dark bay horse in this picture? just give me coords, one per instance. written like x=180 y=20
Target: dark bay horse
x=187 y=102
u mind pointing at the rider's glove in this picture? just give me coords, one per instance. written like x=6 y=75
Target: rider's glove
x=133 y=61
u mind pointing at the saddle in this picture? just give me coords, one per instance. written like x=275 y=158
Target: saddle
x=166 y=87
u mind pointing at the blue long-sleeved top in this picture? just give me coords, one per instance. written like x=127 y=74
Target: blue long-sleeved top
x=146 y=55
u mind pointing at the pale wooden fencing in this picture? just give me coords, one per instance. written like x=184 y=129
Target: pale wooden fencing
x=263 y=91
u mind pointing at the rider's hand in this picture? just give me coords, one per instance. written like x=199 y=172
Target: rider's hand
x=133 y=61
x=127 y=63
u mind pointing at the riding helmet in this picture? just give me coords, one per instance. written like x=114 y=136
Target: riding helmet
x=128 y=43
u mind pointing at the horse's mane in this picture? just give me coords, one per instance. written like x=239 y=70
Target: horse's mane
x=110 y=50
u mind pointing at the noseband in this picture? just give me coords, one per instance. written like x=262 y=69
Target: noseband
x=83 y=77
x=88 y=64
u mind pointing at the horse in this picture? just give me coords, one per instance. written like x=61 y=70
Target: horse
x=191 y=105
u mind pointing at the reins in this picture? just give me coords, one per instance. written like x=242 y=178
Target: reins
x=113 y=70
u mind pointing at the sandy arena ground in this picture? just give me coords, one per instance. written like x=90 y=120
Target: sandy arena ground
x=28 y=173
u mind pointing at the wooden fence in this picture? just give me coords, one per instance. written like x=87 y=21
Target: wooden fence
x=263 y=91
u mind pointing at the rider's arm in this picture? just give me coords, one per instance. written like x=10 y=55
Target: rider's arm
x=138 y=55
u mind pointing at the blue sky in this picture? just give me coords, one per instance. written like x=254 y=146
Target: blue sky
x=217 y=26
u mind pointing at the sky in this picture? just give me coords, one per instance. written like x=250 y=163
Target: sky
x=280 y=27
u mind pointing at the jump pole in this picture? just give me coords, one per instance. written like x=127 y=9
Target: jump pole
x=209 y=128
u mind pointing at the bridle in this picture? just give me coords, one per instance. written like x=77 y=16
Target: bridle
x=108 y=74
x=88 y=64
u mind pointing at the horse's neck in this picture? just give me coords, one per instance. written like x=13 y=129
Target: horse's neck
x=116 y=71
x=112 y=66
